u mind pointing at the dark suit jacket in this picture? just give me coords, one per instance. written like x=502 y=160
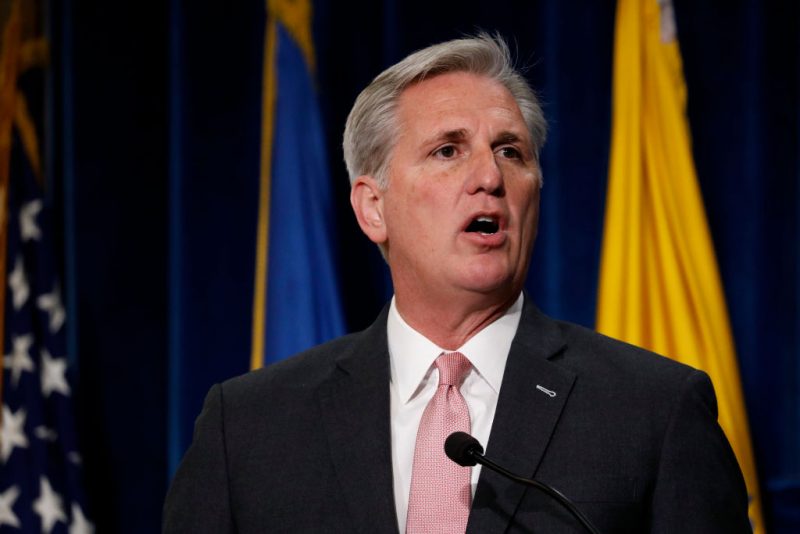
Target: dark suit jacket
x=304 y=445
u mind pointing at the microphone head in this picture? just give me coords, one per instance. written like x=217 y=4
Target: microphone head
x=461 y=448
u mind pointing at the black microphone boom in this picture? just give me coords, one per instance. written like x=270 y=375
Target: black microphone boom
x=465 y=450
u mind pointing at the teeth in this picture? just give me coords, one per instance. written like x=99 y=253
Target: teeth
x=483 y=225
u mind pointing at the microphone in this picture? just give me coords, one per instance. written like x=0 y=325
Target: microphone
x=466 y=451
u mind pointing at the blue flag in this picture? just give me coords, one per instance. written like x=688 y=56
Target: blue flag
x=297 y=303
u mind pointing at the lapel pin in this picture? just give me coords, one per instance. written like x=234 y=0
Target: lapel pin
x=545 y=390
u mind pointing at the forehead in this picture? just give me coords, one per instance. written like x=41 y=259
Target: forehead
x=456 y=99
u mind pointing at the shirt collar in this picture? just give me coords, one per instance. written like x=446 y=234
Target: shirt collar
x=412 y=354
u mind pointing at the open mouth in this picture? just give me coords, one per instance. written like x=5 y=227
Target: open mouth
x=483 y=225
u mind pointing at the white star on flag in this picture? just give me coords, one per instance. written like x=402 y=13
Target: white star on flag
x=28 y=228
x=45 y=434
x=12 y=432
x=18 y=283
x=80 y=525
x=19 y=360
x=7 y=500
x=49 y=506
x=54 y=377
x=50 y=303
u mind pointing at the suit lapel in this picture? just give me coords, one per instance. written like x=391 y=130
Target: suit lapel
x=525 y=419
x=356 y=418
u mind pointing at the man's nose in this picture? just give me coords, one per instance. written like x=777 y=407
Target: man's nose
x=486 y=175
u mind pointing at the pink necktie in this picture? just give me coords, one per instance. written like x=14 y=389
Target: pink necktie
x=440 y=489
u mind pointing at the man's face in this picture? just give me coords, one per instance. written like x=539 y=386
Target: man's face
x=461 y=207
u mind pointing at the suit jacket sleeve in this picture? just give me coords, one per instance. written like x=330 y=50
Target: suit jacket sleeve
x=198 y=500
x=699 y=487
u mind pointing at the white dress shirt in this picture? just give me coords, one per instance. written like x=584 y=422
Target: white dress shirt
x=414 y=379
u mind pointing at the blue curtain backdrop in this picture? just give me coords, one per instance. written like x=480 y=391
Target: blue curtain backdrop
x=157 y=143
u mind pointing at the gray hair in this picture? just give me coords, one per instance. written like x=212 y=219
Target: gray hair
x=371 y=130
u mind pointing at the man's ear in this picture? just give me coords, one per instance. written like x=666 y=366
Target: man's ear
x=367 y=201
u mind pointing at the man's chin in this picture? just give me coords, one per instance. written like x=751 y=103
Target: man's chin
x=496 y=283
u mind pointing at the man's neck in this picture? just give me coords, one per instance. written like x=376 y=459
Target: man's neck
x=449 y=323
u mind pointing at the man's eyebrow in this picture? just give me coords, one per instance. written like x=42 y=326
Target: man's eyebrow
x=450 y=136
x=507 y=137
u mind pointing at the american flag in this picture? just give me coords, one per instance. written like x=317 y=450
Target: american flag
x=40 y=467
x=40 y=483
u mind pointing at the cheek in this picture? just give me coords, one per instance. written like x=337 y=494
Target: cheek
x=533 y=207
x=408 y=221
x=528 y=213
x=528 y=200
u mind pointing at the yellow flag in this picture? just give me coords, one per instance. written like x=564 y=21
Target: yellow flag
x=659 y=283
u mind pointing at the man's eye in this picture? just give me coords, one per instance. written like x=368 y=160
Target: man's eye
x=510 y=152
x=447 y=151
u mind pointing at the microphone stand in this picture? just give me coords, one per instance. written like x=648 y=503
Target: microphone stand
x=552 y=492
x=465 y=450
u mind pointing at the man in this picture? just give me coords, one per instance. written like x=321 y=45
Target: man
x=442 y=151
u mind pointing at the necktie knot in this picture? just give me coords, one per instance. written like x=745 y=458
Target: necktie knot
x=453 y=368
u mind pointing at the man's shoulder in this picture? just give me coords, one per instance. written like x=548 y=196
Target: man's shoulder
x=592 y=343
x=305 y=370
x=614 y=380
x=621 y=365
x=584 y=350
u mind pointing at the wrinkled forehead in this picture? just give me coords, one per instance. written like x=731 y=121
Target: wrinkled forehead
x=454 y=101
